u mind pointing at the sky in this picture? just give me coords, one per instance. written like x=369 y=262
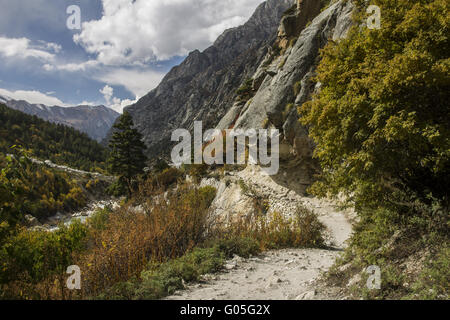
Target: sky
x=120 y=50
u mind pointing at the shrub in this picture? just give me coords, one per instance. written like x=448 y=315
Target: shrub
x=117 y=189
x=100 y=219
x=207 y=193
x=167 y=177
x=198 y=171
x=292 y=42
x=297 y=88
x=161 y=165
x=244 y=187
x=93 y=184
x=276 y=231
x=287 y=110
x=32 y=261
x=123 y=246
x=245 y=92
x=243 y=247
x=434 y=281
x=164 y=279
x=381 y=119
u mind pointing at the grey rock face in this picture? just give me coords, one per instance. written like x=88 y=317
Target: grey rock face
x=294 y=22
x=294 y=67
x=94 y=121
x=203 y=87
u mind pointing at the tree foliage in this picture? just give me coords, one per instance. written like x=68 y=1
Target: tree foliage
x=30 y=188
x=58 y=143
x=127 y=157
x=381 y=119
x=38 y=254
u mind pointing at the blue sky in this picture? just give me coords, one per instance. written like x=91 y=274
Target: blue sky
x=121 y=52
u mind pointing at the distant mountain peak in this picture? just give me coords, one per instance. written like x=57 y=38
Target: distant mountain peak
x=95 y=121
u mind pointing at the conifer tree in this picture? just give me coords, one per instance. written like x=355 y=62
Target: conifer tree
x=127 y=158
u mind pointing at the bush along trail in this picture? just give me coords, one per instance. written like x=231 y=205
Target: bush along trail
x=277 y=274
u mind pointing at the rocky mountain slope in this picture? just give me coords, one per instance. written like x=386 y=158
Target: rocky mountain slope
x=96 y=121
x=204 y=86
x=284 y=79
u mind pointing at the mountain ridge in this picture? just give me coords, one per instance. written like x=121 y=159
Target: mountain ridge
x=92 y=120
x=204 y=85
x=62 y=145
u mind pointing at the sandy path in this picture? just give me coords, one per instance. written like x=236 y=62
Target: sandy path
x=289 y=274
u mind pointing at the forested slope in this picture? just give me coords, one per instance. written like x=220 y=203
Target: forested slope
x=48 y=141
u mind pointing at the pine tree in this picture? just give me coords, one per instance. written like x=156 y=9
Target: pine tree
x=127 y=158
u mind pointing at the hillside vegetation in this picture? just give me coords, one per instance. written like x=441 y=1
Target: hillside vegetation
x=381 y=125
x=48 y=141
x=32 y=189
x=148 y=254
x=28 y=188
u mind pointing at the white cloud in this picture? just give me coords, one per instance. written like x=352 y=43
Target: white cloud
x=54 y=47
x=118 y=105
x=138 y=82
x=130 y=34
x=33 y=97
x=72 y=67
x=45 y=99
x=138 y=31
x=22 y=48
x=107 y=93
x=88 y=103
x=113 y=102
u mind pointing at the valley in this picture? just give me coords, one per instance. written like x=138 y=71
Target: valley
x=361 y=160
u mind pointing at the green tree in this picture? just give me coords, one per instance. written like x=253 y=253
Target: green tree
x=49 y=141
x=31 y=188
x=381 y=121
x=127 y=158
x=11 y=194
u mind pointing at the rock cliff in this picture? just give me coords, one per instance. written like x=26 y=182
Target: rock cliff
x=284 y=80
x=203 y=87
x=271 y=59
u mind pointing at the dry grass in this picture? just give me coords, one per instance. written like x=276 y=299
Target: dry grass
x=167 y=229
x=276 y=231
x=122 y=245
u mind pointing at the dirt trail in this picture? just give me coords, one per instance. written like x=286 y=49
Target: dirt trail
x=290 y=274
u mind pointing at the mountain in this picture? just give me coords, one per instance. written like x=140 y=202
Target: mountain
x=203 y=87
x=58 y=143
x=285 y=79
x=92 y=120
x=254 y=76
